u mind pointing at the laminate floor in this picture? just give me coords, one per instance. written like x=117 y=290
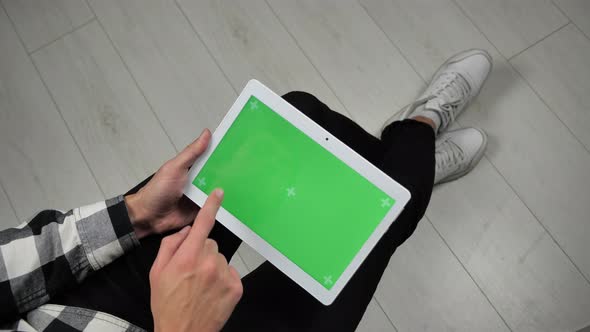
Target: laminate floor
x=95 y=95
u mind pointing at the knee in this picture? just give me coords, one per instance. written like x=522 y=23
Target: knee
x=408 y=220
x=419 y=182
x=303 y=101
x=309 y=105
x=421 y=193
x=299 y=96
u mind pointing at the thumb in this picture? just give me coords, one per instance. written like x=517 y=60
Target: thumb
x=187 y=157
x=168 y=248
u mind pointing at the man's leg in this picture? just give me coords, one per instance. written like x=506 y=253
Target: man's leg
x=273 y=302
x=122 y=288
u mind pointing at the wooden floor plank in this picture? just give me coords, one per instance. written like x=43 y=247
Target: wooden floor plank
x=375 y=320
x=562 y=77
x=40 y=22
x=427 y=40
x=367 y=73
x=170 y=64
x=578 y=11
x=112 y=123
x=507 y=107
x=424 y=289
x=539 y=157
x=491 y=231
x=251 y=258
x=515 y=262
x=514 y=25
x=239 y=265
x=7 y=216
x=40 y=165
x=249 y=42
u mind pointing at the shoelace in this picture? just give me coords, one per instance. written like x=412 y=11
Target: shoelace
x=452 y=90
x=448 y=155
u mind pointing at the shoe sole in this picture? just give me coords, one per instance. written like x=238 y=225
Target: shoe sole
x=478 y=156
x=456 y=58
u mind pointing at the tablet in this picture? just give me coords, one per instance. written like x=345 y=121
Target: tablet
x=304 y=200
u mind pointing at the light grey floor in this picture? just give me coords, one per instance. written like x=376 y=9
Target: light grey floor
x=95 y=95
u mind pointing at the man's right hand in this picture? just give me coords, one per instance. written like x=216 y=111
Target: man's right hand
x=193 y=287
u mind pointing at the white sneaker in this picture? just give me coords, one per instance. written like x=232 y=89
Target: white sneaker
x=453 y=86
x=457 y=152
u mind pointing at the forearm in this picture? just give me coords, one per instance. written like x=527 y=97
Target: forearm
x=55 y=250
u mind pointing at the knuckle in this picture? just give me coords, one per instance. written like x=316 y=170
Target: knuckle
x=209 y=266
x=222 y=260
x=166 y=241
x=211 y=245
x=185 y=263
x=237 y=290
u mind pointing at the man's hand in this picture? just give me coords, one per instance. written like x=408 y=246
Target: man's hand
x=160 y=205
x=193 y=287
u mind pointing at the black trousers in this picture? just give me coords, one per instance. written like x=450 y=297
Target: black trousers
x=271 y=301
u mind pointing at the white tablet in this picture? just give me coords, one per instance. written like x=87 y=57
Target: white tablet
x=304 y=200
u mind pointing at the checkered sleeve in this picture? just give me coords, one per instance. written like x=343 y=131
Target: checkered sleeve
x=54 y=250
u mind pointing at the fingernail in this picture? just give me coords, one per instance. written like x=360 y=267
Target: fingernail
x=205 y=131
x=185 y=229
x=219 y=193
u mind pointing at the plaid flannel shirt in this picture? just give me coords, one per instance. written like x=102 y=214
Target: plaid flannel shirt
x=50 y=253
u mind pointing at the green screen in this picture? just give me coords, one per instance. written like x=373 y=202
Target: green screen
x=292 y=192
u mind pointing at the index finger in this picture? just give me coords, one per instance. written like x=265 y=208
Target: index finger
x=204 y=221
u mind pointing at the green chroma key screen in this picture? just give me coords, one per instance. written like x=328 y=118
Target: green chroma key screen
x=292 y=192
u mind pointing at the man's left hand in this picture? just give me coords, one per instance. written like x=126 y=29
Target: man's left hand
x=161 y=206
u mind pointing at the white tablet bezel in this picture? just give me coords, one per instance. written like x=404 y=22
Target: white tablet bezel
x=330 y=143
